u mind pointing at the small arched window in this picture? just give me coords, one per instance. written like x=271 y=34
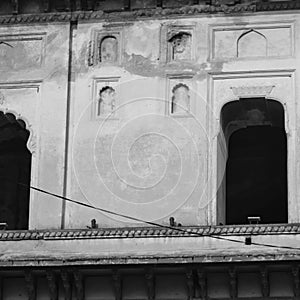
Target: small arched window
x=180 y=99
x=109 y=49
x=107 y=101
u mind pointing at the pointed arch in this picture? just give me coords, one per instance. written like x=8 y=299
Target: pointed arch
x=251 y=43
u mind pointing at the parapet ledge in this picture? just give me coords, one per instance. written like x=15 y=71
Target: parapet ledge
x=150 y=232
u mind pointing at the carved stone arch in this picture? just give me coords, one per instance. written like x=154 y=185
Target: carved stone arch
x=31 y=141
x=252 y=43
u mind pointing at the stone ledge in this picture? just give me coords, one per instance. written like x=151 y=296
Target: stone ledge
x=150 y=232
x=150 y=260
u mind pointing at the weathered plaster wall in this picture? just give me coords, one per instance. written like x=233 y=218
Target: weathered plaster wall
x=141 y=161
x=146 y=162
x=33 y=85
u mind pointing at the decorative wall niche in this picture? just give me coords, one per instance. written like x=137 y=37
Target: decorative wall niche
x=179 y=46
x=180 y=102
x=180 y=96
x=177 y=43
x=105 y=48
x=106 y=101
x=251 y=41
x=105 y=95
x=108 y=49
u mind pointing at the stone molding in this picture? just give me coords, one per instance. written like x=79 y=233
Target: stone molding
x=252 y=91
x=158 y=12
x=150 y=232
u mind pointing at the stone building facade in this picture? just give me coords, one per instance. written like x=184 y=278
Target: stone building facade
x=138 y=140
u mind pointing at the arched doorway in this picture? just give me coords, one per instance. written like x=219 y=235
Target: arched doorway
x=255 y=182
x=15 y=168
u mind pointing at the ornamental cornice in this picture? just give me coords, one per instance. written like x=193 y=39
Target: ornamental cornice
x=158 y=12
x=150 y=232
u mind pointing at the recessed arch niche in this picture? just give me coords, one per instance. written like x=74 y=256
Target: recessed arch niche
x=252 y=44
x=15 y=171
x=108 y=49
x=254 y=151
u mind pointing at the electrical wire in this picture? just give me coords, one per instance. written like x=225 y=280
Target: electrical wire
x=179 y=229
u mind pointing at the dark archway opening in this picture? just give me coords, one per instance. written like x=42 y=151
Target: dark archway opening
x=256 y=168
x=15 y=168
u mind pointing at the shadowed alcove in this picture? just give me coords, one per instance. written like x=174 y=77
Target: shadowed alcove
x=15 y=166
x=255 y=179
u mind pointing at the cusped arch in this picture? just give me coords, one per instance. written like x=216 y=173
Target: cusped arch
x=252 y=43
x=180 y=98
x=25 y=128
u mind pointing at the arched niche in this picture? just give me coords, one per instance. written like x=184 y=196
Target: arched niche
x=252 y=44
x=15 y=171
x=180 y=99
x=255 y=177
x=107 y=101
x=108 y=49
